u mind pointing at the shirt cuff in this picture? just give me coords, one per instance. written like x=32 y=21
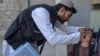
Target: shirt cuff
x=79 y=37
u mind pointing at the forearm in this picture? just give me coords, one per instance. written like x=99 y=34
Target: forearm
x=66 y=28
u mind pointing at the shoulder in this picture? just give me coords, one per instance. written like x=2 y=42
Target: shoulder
x=41 y=13
x=40 y=10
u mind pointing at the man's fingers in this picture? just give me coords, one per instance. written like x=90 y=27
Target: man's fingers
x=89 y=28
x=89 y=33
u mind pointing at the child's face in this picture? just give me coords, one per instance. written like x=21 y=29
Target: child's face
x=88 y=36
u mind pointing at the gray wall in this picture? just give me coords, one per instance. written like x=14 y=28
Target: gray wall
x=50 y=2
x=82 y=18
x=95 y=19
x=9 y=9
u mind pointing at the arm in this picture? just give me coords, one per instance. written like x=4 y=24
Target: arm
x=42 y=19
x=65 y=28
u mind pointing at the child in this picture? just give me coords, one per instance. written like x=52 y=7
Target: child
x=83 y=48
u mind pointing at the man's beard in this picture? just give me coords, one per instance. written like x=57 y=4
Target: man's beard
x=61 y=19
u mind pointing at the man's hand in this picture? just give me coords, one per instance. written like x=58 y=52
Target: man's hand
x=83 y=30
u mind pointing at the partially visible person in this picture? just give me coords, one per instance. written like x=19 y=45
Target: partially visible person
x=83 y=48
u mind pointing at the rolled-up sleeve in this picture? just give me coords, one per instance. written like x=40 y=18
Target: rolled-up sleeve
x=66 y=28
x=42 y=19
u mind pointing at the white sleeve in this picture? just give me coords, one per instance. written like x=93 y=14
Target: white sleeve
x=66 y=28
x=42 y=19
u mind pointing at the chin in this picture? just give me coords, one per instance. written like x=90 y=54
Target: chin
x=66 y=20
